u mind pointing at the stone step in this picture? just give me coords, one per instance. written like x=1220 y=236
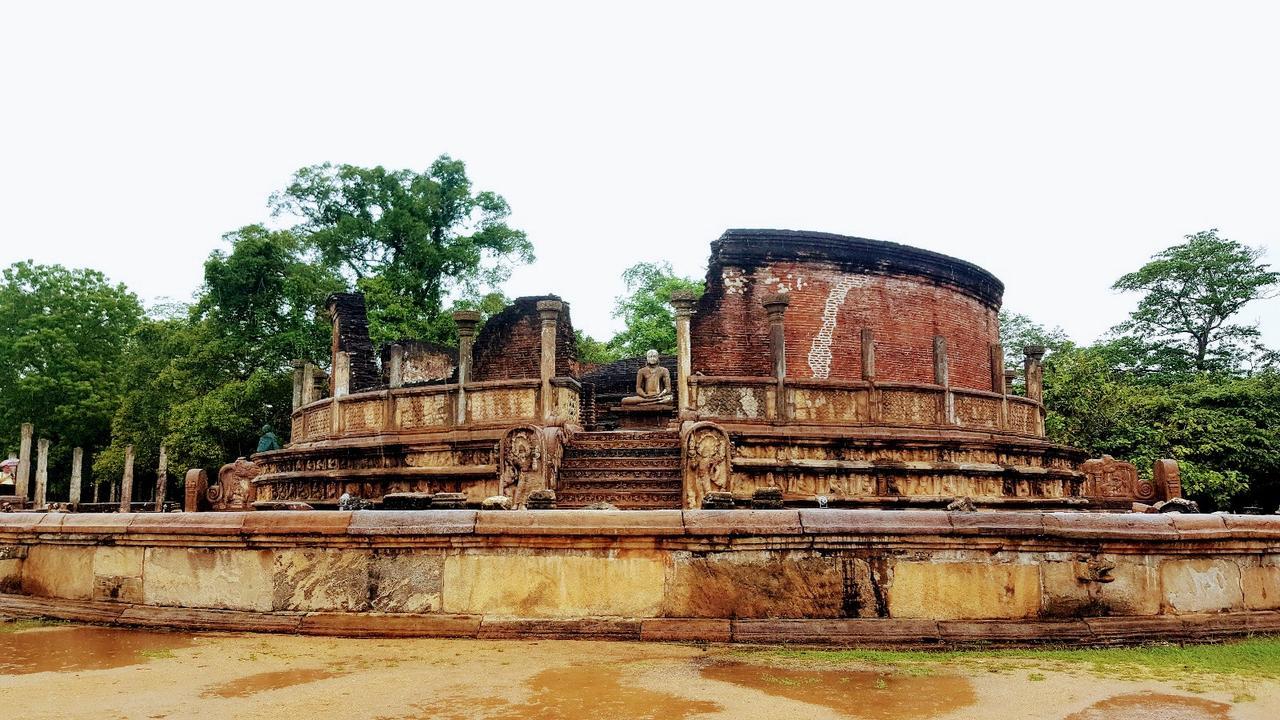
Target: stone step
x=620 y=466
x=625 y=500
x=657 y=436
x=619 y=485
x=647 y=452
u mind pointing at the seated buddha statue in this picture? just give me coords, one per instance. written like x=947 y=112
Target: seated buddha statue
x=653 y=384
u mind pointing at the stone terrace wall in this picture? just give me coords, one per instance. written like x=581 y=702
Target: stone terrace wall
x=839 y=286
x=818 y=576
x=509 y=345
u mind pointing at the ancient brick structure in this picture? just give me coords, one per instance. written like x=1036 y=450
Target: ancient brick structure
x=351 y=335
x=816 y=370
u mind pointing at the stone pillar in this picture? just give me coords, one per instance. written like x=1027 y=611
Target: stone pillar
x=1010 y=375
x=24 y=463
x=549 y=310
x=997 y=368
x=1034 y=372
x=395 y=366
x=42 y=473
x=77 y=474
x=776 y=307
x=683 y=301
x=341 y=373
x=868 y=355
x=299 y=378
x=314 y=382
x=126 y=481
x=942 y=377
x=162 y=480
x=466 y=320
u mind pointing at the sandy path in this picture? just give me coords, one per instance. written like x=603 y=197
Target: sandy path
x=282 y=677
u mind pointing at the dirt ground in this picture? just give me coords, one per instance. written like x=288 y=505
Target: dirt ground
x=68 y=672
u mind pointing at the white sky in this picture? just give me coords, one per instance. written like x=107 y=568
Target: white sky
x=1057 y=145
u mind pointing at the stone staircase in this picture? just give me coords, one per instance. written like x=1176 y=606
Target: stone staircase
x=629 y=469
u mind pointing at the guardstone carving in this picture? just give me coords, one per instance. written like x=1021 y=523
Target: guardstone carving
x=706 y=454
x=234 y=490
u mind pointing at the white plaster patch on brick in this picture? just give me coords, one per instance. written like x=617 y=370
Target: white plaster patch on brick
x=735 y=282
x=748 y=401
x=772 y=282
x=820 y=350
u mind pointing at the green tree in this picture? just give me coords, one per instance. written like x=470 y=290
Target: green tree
x=1189 y=293
x=1017 y=331
x=409 y=240
x=59 y=362
x=646 y=309
x=592 y=351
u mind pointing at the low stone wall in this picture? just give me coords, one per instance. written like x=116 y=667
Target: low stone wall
x=816 y=576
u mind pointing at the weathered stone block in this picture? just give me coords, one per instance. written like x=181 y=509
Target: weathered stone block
x=1201 y=585
x=1262 y=585
x=61 y=571
x=1133 y=589
x=964 y=590
x=316 y=579
x=208 y=578
x=405 y=581
x=524 y=584
x=756 y=584
x=10 y=574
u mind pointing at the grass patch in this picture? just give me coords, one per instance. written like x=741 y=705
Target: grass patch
x=1257 y=657
x=13 y=626
x=156 y=654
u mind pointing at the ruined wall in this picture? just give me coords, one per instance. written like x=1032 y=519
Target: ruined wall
x=351 y=335
x=424 y=362
x=509 y=346
x=827 y=576
x=837 y=287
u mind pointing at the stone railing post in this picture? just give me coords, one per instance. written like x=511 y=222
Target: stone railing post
x=126 y=481
x=942 y=377
x=341 y=373
x=549 y=310
x=466 y=320
x=683 y=301
x=24 y=463
x=42 y=474
x=299 y=377
x=868 y=343
x=1034 y=371
x=776 y=307
x=77 y=474
x=395 y=366
x=1010 y=375
x=162 y=479
x=1034 y=376
x=997 y=368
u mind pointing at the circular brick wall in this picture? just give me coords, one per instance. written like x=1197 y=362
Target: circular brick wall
x=839 y=286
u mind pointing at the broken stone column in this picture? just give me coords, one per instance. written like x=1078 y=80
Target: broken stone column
x=1034 y=371
x=162 y=480
x=341 y=374
x=776 y=307
x=395 y=366
x=314 y=382
x=299 y=378
x=195 y=485
x=549 y=310
x=42 y=473
x=868 y=355
x=126 y=481
x=1010 y=375
x=683 y=301
x=77 y=473
x=997 y=368
x=24 y=463
x=466 y=320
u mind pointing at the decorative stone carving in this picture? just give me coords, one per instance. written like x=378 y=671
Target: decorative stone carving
x=529 y=459
x=705 y=461
x=1168 y=479
x=1109 y=479
x=234 y=490
x=196 y=485
x=1093 y=569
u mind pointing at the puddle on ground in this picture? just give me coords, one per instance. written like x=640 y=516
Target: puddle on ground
x=1154 y=706
x=262 y=682
x=579 y=692
x=61 y=649
x=855 y=693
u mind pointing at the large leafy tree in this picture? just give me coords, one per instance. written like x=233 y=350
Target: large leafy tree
x=1190 y=292
x=408 y=240
x=59 y=362
x=646 y=310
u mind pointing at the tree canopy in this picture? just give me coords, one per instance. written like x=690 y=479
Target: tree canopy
x=1190 y=292
x=646 y=309
x=408 y=240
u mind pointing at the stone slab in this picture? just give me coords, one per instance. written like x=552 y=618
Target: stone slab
x=522 y=584
x=412 y=522
x=866 y=632
x=685 y=630
x=756 y=584
x=876 y=522
x=198 y=619
x=195 y=523
x=580 y=522
x=1201 y=585
x=1110 y=526
x=61 y=571
x=390 y=625
x=583 y=629
x=742 y=522
x=315 y=522
x=999 y=632
x=964 y=590
x=223 y=579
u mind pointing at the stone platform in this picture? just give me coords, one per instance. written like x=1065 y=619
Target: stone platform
x=844 y=577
